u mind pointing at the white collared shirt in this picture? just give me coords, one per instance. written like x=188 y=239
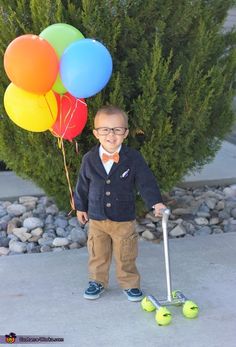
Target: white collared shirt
x=109 y=163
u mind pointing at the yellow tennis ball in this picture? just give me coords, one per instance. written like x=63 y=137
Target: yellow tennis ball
x=163 y=316
x=190 y=309
x=147 y=305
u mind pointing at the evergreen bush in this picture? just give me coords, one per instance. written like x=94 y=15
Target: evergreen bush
x=174 y=72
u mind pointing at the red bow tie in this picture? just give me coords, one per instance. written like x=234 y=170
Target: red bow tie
x=106 y=157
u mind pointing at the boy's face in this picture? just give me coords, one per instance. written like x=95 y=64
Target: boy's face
x=110 y=141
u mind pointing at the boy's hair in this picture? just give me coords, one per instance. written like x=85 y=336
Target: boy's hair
x=111 y=110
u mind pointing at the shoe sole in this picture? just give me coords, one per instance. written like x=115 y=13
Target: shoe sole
x=93 y=297
x=134 y=299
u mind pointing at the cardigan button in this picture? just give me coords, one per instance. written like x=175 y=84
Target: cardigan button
x=108 y=193
x=108 y=181
x=108 y=204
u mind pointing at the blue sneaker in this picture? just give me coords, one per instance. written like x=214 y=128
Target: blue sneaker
x=93 y=291
x=133 y=294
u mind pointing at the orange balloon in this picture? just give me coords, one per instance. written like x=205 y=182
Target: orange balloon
x=31 y=63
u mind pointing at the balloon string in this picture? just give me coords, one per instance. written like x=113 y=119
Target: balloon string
x=72 y=114
x=48 y=106
x=67 y=177
x=67 y=115
x=60 y=113
x=76 y=147
x=68 y=112
x=59 y=141
x=82 y=102
x=60 y=120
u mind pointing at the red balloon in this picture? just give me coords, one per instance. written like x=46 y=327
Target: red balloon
x=72 y=116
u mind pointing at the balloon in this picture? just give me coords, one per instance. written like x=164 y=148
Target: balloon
x=85 y=68
x=60 y=36
x=30 y=111
x=72 y=116
x=58 y=86
x=31 y=63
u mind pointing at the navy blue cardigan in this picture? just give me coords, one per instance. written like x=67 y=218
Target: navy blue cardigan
x=112 y=196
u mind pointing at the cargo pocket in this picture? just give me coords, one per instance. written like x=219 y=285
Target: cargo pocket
x=129 y=247
x=99 y=247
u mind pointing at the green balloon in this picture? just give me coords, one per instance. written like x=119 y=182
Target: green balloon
x=60 y=36
x=58 y=86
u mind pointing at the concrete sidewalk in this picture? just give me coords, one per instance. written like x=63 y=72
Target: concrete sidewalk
x=42 y=294
x=222 y=170
x=13 y=186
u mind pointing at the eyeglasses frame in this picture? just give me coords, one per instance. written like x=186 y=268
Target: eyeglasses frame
x=111 y=129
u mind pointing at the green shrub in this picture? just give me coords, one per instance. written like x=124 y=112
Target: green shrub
x=174 y=71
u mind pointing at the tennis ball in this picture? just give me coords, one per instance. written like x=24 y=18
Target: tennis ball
x=163 y=316
x=147 y=305
x=190 y=309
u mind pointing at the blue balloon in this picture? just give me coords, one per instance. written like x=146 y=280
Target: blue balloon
x=85 y=68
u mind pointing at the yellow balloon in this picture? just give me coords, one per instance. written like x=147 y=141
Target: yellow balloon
x=30 y=111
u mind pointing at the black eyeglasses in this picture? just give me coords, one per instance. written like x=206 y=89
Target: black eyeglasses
x=106 y=131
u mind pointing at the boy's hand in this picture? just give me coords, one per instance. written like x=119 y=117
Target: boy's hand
x=82 y=216
x=158 y=209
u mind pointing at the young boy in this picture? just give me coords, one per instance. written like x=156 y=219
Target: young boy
x=105 y=195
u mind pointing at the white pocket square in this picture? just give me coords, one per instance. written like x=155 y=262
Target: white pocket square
x=125 y=174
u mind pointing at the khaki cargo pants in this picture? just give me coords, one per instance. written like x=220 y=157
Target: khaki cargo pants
x=105 y=238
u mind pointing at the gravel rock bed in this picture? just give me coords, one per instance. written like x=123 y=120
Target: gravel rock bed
x=35 y=224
